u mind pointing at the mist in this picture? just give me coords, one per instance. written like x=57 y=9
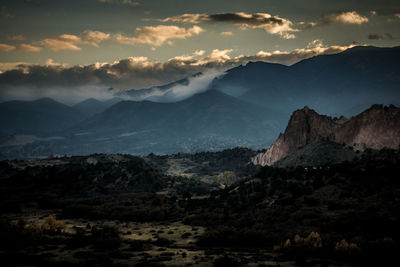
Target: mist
x=179 y=92
x=72 y=95
x=66 y=95
x=176 y=92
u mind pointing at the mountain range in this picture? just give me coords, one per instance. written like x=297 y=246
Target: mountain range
x=206 y=121
x=246 y=106
x=338 y=84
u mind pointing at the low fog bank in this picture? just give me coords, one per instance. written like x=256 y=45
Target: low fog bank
x=73 y=95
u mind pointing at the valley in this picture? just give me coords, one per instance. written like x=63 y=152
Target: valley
x=264 y=166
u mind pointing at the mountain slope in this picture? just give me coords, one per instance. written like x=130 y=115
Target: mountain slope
x=376 y=128
x=206 y=113
x=145 y=93
x=209 y=120
x=43 y=116
x=91 y=106
x=329 y=83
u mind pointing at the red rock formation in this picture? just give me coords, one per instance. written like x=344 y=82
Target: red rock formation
x=377 y=127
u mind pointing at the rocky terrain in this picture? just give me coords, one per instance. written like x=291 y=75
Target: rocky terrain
x=375 y=128
x=122 y=210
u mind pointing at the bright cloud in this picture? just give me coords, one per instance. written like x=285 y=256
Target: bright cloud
x=71 y=41
x=62 y=42
x=188 y=18
x=95 y=37
x=158 y=35
x=351 y=17
x=226 y=33
x=29 y=48
x=141 y=72
x=18 y=37
x=6 y=47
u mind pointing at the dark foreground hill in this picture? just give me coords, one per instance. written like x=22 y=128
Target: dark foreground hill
x=117 y=209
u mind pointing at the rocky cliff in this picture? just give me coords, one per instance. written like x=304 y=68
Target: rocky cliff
x=376 y=128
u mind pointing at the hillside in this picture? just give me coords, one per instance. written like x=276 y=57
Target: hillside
x=42 y=116
x=206 y=121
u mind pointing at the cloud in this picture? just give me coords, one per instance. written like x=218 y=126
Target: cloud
x=313 y=49
x=17 y=38
x=28 y=48
x=6 y=47
x=95 y=37
x=158 y=35
x=6 y=66
x=51 y=63
x=199 y=52
x=188 y=18
x=196 y=84
x=71 y=41
x=121 y=2
x=376 y=36
x=62 y=42
x=138 y=72
x=350 y=17
x=265 y=21
x=226 y=33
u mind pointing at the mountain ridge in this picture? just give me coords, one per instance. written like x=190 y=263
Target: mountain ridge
x=330 y=84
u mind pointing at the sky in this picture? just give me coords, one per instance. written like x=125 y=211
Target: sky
x=51 y=47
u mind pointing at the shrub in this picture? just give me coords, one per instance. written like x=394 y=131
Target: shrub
x=52 y=226
x=229 y=236
x=106 y=237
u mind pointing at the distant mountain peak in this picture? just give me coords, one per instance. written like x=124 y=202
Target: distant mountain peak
x=45 y=100
x=305 y=110
x=366 y=48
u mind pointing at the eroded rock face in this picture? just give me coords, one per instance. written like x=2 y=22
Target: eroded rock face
x=377 y=127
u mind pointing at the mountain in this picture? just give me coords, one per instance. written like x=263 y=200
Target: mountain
x=155 y=91
x=376 y=128
x=92 y=106
x=42 y=116
x=209 y=120
x=332 y=84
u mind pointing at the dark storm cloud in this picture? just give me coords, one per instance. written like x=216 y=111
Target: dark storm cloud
x=265 y=21
x=241 y=18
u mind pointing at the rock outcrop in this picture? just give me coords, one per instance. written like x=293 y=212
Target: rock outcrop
x=376 y=128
